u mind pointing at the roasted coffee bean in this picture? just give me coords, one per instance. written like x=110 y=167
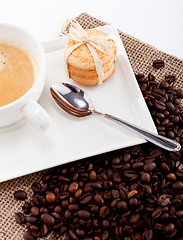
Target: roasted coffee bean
x=20 y=195
x=131 y=175
x=67 y=214
x=63 y=179
x=93 y=176
x=43 y=210
x=170 y=78
x=163 y=200
x=73 y=235
x=116 y=161
x=170 y=107
x=80 y=233
x=132 y=193
x=165 y=122
x=143 y=87
x=115 y=193
x=55 y=215
x=33 y=228
x=36 y=234
x=47 y=219
x=73 y=207
x=46 y=177
x=145 y=178
x=171 y=176
x=104 y=211
x=128 y=229
x=44 y=230
x=97 y=185
x=105 y=235
x=20 y=218
x=165 y=167
x=149 y=167
x=58 y=209
x=123 y=192
x=158 y=63
x=122 y=206
x=65 y=203
x=137 y=165
x=170 y=134
x=31 y=219
x=118 y=231
x=26 y=208
x=96 y=223
x=127 y=157
x=164 y=216
x=172 y=210
x=78 y=193
x=98 y=199
x=94 y=208
x=105 y=224
x=28 y=236
x=117 y=177
x=178 y=185
x=151 y=77
x=164 y=84
x=63 y=229
x=175 y=119
x=127 y=238
x=73 y=187
x=139 y=75
x=156 y=213
x=36 y=201
x=84 y=199
x=179 y=213
x=83 y=214
x=169 y=229
x=136 y=236
x=108 y=184
x=36 y=187
x=62 y=195
x=107 y=195
x=148 y=234
x=160 y=105
x=180 y=93
x=134 y=218
x=50 y=197
x=34 y=211
x=133 y=202
x=179 y=173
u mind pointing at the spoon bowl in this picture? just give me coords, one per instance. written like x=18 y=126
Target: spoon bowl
x=72 y=99
x=76 y=102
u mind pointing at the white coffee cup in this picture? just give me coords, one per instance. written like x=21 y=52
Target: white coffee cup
x=26 y=106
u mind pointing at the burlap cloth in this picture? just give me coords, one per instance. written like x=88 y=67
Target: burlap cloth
x=141 y=56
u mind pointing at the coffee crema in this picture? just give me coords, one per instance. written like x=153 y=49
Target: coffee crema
x=17 y=71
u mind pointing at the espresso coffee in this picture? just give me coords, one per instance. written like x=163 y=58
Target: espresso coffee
x=17 y=72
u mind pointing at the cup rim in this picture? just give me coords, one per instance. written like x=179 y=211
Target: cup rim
x=42 y=64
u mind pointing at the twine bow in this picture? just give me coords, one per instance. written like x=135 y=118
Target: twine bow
x=77 y=33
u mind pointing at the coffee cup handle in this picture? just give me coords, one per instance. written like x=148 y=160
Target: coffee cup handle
x=37 y=115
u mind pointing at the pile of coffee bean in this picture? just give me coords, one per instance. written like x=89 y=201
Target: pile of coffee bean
x=131 y=194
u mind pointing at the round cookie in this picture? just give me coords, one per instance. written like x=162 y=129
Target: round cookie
x=81 y=65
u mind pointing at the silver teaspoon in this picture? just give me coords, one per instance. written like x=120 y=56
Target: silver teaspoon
x=76 y=102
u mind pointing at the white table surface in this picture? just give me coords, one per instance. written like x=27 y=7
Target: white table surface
x=157 y=22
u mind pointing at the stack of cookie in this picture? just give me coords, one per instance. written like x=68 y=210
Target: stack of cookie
x=81 y=65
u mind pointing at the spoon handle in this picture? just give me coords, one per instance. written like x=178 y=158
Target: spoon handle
x=156 y=139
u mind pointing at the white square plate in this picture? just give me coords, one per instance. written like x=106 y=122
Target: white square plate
x=24 y=149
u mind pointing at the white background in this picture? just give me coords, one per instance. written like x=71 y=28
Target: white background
x=157 y=22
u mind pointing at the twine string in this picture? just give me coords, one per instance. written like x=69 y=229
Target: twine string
x=77 y=33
